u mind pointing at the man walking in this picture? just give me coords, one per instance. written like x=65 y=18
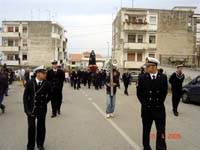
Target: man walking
x=111 y=99
x=56 y=77
x=151 y=92
x=3 y=88
x=176 y=81
x=36 y=96
x=126 y=79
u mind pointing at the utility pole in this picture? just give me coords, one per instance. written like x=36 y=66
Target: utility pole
x=108 y=50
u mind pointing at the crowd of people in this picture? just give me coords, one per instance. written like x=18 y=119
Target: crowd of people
x=46 y=86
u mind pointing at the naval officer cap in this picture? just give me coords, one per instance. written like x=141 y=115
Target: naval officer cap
x=54 y=62
x=151 y=61
x=178 y=66
x=39 y=69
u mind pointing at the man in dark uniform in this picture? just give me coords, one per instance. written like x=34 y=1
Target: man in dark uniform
x=176 y=81
x=56 y=77
x=36 y=96
x=3 y=88
x=151 y=92
x=126 y=79
x=89 y=78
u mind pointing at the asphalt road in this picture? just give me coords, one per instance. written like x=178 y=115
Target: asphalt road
x=83 y=126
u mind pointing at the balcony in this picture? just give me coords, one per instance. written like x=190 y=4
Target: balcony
x=9 y=48
x=10 y=34
x=11 y=62
x=138 y=27
x=139 y=46
x=55 y=35
x=133 y=64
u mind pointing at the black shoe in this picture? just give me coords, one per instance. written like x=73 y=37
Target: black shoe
x=3 y=110
x=176 y=113
x=59 y=112
x=41 y=148
x=53 y=116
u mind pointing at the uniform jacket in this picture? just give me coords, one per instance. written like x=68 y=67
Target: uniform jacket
x=176 y=81
x=126 y=78
x=56 y=79
x=3 y=83
x=36 y=97
x=152 y=94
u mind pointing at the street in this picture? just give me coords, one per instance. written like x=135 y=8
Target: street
x=82 y=124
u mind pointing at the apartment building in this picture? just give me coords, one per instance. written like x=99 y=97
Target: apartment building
x=32 y=43
x=164 y=34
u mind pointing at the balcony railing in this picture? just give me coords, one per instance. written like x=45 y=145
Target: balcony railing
x=10 y=34
x=9 y=48
x=139 y=46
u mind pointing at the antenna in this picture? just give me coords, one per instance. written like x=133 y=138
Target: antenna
x=132 y=3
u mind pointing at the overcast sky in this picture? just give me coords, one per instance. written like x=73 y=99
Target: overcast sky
x=88 y=22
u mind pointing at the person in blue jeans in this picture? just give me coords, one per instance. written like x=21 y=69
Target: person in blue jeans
x=3 y=87
x=111 y=99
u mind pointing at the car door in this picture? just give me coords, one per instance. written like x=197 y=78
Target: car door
x=195 y=90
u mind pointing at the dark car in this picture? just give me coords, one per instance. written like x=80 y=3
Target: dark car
x=191 y=91
x=134 y=76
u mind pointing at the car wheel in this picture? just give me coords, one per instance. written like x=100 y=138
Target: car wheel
x=185 y=97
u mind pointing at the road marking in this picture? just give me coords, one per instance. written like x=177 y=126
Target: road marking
x=86 y=95
x=121 y=132
x=90 y=99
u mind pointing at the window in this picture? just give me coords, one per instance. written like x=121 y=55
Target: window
x=73 y=62
x=25 y=29
x=198 y=20
x=139 y=57
x=153 y=20
x=10 y=57
x=10 y=43
x=25 y=44
x=16 y=29
x=152 y=39
x=140 y=38
x=131 y=38
x=131 y=57
x=10 y=29
x=152 y=55
x=24 y=57
x=16 y=57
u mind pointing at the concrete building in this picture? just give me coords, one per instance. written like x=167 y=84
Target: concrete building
x=32 y=43
x=164 y=34
x=82 y=60
x=197 y=37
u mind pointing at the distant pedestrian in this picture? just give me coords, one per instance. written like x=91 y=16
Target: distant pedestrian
x=126 y=77
x=176 y=81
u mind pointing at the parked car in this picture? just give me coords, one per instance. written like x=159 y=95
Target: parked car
x=191 y=91
x=134 y=76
